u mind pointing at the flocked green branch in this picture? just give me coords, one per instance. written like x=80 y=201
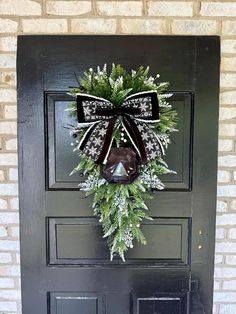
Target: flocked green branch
x=121 y=208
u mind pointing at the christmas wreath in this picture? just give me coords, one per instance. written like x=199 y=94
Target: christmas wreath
x=124 y=126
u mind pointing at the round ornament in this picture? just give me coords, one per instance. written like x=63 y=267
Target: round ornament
x=121 y=166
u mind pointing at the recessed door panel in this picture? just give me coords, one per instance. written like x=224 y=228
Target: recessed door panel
x=68 y=238
x=76 y=303
x=61 y=161
x=160 y=304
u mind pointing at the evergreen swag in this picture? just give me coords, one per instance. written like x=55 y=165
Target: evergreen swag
x=121 y=207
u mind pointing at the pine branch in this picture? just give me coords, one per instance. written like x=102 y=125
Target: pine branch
x=121 y=208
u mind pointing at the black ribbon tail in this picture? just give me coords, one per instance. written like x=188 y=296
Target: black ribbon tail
x=150 y=141
x=107 y=141
x=86 y=137
x=91 y=144
x=134 y=132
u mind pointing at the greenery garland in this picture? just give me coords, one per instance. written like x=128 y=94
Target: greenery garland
x=121 y=207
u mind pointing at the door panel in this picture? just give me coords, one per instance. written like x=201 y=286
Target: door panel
x=60 y=161
x=65 y=263
x=167 y=239
x=161 y=304
x=70 y=303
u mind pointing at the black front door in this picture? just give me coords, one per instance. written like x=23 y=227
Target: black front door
x=65 y=263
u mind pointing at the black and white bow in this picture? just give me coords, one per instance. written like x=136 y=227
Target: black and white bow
x=102 y=118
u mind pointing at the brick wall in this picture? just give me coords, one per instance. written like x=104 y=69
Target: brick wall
x=118 y=17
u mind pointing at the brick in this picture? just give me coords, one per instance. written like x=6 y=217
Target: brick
x=11 y=144
x=8 y=43
x=93 y=26
x=13 y=174
x=227 y=129
x=8 y=26
x=7 y=95
x=224 y=296
x=17 y=258
x=220 y=233
x=232 y=233
x=9 y=218
x=225 y=247
x=229 y=27
x=120 y=8
x=8 y=128
x=14 y=202
x=10 y=294
x=226 y=191
x=68 y=7
x=228 y=80
x=8 y=306
x=225 y=272
x=165 y=8
x=3 y=204
x=8 y=189
x=215 y=309
x=233 y=205
x=7 y=245
x=218 y=259
x=6 y=283
x=228 y=98
x=225 y=145
x=227 y=113
x=223 y=176
x=9 y=270
x=15 y=232
x=143 y=26
x=216 y=285
x=8 y=159
x=5 y=258
x=226 y=219
x=228 y=46
x=227 y=161
x=194 y=27
x=51 y=26
x=2 y=175
x=10 y=112
x=234 y=175
x=20 y=7
x=1 y=115
x=228 y=64
x=218 y=9
x=3 y=231
x=227 y=309
x=8 y=78
x=222 y=206
x=7 y=61
x=231 y=260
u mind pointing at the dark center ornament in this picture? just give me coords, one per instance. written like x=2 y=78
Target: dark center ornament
x=121 y=166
